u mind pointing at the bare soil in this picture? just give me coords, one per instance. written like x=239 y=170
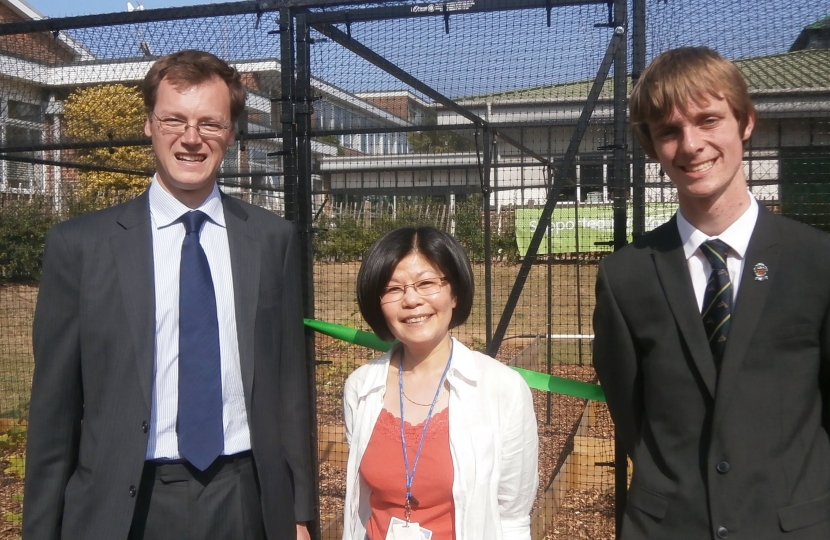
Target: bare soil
x=588 y=513
x=583 y=514
x=565 y=288
x=11 y=500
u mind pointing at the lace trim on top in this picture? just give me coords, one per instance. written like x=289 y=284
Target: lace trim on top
x=390 y=426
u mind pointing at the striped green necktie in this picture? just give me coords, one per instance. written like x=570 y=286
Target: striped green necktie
x=717 y=301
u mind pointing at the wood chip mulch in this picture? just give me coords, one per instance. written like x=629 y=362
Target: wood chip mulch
x=588 y=513
x=11 y=504
x=583 y=514
x=555 y=442
x=332 y=490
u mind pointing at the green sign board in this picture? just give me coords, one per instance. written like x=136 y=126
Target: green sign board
x=588 y=227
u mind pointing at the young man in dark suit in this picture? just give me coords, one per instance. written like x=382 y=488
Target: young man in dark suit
x=713 y=331
x=170 y=396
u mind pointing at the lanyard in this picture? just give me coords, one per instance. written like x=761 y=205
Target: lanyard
x=410 y=476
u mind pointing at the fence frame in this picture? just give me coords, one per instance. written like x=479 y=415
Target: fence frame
x=296 y=131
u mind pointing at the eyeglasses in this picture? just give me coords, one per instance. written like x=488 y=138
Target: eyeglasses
x=425 y=287
x=170 y=124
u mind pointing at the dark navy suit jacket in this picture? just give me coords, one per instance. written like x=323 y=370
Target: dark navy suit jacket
x=743 y=453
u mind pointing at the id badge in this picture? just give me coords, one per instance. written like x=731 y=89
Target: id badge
x=399 y=530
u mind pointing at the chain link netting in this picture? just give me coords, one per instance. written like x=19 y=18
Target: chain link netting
x=416 y=117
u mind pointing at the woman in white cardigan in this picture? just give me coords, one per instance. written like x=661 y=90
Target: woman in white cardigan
x=469 y=467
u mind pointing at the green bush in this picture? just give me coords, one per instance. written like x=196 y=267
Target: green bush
x=345 y=238
x=469 y=227
x=77 y=202
x=504 y=243
x=23 y=228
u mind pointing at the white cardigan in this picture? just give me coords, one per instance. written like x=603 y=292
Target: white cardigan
x=493 y=444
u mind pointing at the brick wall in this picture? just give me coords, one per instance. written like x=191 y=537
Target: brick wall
x=397 y=105
x=41 y=47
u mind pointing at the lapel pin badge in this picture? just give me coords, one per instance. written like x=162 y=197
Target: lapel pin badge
x=761 y=272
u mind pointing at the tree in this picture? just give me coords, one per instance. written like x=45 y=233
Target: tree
x=438 y=142
x=102 y=113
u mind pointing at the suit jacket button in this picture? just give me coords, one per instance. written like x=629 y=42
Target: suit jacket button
x=145 y=426
x=723 y=532
x=133 y=491
x=723 y=467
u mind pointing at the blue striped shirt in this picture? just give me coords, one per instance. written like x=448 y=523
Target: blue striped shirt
x=168 y=235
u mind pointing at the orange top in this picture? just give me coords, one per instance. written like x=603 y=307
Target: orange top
x=382 y=468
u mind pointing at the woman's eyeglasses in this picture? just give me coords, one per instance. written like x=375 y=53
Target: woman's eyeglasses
x=425 y=287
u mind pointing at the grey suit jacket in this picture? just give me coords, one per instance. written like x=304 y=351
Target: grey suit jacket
x=94 y=335
x=741 y=454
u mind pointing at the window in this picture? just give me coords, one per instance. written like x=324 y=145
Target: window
x=29 y=112
x=22 y=125
x=568 y=192
x=21 y=175
x=590 y=179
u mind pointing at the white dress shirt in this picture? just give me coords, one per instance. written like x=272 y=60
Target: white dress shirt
x=493 y=444
x=736 y=236
x=168 y=235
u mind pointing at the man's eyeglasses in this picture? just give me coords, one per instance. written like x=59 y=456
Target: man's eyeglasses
x=425 y=287
x=170 y=124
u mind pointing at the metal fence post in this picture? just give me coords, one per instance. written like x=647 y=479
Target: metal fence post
x=620 y=183
x=489 y=147
x=302 y=106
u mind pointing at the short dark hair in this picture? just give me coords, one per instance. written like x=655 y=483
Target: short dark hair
x=190 y=67
x=439 y=248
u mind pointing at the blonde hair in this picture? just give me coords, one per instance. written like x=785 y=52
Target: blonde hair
x=681 y=76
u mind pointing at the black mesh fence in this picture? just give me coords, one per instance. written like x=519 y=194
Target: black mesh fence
x=487 y=105
x=485 y=119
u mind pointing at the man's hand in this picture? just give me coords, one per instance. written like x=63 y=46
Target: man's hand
x=302 y=532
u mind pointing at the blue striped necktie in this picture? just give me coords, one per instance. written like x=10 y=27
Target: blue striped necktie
x=199 y=427
x=717 y=300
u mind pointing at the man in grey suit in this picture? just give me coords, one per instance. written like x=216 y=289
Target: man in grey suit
x=713 y=331
x=170 y=396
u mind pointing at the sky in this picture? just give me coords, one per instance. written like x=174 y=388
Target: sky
x=62 y=8
x=482 y=52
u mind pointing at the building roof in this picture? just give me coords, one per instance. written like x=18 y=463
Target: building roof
x=790 y=72
x=391 y=94
x=23 y=8
x=27 y=12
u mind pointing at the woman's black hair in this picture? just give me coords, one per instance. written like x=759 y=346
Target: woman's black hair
x=439 y=248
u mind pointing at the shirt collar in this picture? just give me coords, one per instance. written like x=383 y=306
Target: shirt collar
x=377 y=375
x=736 y=235
x=462 y=369
x=166 y=209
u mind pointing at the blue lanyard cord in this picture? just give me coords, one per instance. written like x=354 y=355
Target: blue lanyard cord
x=410 y=476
